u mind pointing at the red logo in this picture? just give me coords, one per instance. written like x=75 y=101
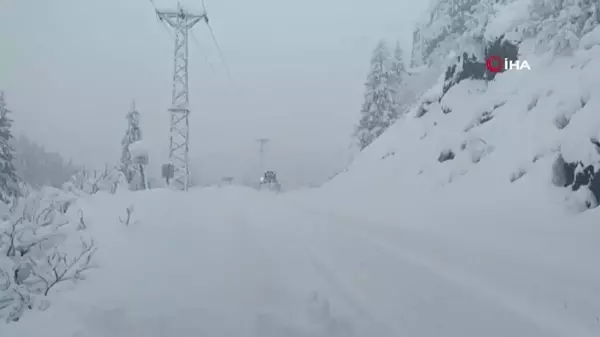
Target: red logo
x=494 y=64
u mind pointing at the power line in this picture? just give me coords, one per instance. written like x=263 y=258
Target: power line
x=261 y=152
x=212 y=34
x=214 y=38
x=200 y=49
x=164 y=24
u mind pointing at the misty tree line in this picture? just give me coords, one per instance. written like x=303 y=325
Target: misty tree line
x=38 y=167
x=27 y=163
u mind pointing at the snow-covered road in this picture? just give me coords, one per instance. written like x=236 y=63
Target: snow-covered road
x=238 y=263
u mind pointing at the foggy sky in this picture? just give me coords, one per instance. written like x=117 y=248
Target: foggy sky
x=71 y=68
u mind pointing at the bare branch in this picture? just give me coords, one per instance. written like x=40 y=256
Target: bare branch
x=81 y=225
x=128 y=218
x=62 y=269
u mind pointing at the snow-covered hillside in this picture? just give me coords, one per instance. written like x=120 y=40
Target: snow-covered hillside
x=485 y=136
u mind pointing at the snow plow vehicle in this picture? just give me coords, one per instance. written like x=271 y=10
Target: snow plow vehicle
x=269 y=182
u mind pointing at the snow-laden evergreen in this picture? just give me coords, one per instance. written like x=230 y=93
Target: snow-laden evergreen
x=133 y=171
x=379 y=108
x=404 y=94
x=441 y=31
x=558 y=26
x=397 y=65
x=452 y=27
x=9 y=181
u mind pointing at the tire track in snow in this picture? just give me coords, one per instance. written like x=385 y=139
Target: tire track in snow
x=534 y=314
x=318 y=278
x=343 y=288
x=284 y=290
x=350 y=297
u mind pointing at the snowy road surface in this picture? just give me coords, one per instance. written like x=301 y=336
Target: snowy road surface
x=244 y=264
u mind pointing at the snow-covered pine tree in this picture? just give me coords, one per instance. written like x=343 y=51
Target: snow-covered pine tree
x=9 y=181
x=378 y=110
x=398 y=75
x=558 y=25
x=441 y=34
x=398 y=67
x=132 y=135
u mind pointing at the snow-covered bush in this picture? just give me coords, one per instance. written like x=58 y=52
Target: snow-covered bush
x=110 y=179
x=42 y=245
x=128 y=219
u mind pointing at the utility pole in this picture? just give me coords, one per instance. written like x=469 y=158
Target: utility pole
x=181 y=21
x=263 y=142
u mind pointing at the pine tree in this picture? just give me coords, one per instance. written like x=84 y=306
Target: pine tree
x=558 y=25
x=378 y=110
x=398 y=67
x=398 y=75
x=444 y=30
x=9 y=181
x=132 y=135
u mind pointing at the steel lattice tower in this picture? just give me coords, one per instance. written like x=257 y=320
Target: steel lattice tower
x=181 y=21
x=261 y=153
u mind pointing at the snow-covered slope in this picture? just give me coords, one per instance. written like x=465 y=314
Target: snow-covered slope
x=503 y=134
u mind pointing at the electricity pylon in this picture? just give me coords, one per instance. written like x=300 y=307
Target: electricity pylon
x=262 y=142
x=181 y=21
